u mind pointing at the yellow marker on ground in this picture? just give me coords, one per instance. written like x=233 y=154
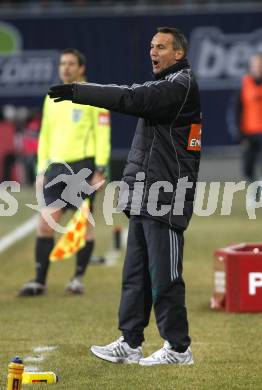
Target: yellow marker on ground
x=47 y=377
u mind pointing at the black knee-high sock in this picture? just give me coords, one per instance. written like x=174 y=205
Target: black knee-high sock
x=83 y=258
x=43 y=248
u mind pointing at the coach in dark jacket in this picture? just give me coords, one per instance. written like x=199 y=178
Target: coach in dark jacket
x=164 y=159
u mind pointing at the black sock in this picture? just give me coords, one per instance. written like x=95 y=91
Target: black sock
x=43 y=248
x=83 y=258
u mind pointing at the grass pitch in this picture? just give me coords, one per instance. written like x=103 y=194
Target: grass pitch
x=227 y=347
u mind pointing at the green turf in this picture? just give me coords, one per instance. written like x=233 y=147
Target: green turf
x=226 y=347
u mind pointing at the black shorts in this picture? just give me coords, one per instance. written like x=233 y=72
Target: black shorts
x=75 y=195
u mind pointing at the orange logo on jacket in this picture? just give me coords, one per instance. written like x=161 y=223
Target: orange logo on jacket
x=194 y=139
x=103 y=118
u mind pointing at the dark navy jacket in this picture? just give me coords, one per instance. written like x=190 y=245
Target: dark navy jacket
x=166 y=144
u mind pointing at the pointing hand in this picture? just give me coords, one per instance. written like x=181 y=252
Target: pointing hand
x=61 y=92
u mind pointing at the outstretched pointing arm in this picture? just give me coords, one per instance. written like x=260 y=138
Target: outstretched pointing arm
x=152 y=100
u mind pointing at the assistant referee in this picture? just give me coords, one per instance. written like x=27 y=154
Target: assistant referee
x=80 y=136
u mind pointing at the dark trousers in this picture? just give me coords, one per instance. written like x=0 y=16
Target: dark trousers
x=152 y=275
x=252 y=156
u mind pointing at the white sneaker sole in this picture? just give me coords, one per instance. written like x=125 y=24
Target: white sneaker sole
x=113 y=359
x=151 y=363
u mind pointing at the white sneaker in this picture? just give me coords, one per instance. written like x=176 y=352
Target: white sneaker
x=167 y=355
x=75 y=286
x=118 y=352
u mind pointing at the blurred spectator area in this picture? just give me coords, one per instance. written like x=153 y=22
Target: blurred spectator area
x=19 y=130
x=7 y=146
x=49 y=4
x=119 y=7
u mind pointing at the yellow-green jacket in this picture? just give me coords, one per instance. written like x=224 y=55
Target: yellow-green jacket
x=72 y=132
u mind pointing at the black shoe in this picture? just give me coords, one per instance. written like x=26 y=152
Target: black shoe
x=32 y=289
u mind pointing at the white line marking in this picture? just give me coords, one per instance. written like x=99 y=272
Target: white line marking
x=31 y=369
x=43 y=349
x=34 y=359
x=112 y=255
x=124 y=237
x=19 y=233
x=38 y=358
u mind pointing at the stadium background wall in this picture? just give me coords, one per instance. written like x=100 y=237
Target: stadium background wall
x=117 y=49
